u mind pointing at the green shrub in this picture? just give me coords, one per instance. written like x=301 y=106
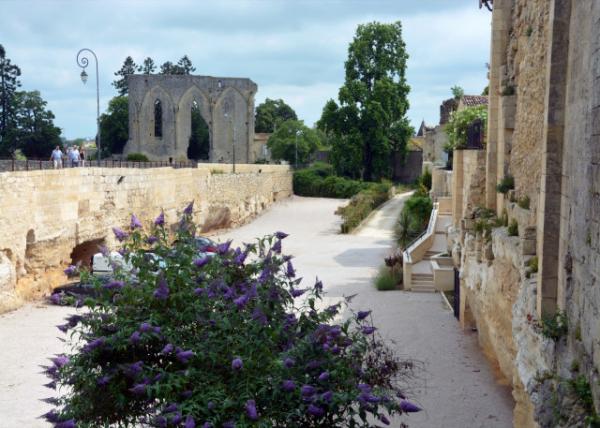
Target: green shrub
x=319 y=180
x=555 y=326
x=413 y=218
x=513 y=228
x=507 y=183
x=387 y=279
x=533 y=264
x=459 y=124
x=219 y=341
x=425 y=179
x=524 y=202
x=137 y=157
x=361 y=205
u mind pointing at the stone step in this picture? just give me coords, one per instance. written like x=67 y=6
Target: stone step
x=422 y=287
x=421 y=277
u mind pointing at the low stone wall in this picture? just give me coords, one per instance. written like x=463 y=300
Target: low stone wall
x=50 y=219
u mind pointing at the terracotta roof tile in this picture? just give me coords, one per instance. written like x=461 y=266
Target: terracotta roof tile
x=474 y=100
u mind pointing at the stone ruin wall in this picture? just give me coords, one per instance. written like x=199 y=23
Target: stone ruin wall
x=552 y=149
x=50 y=219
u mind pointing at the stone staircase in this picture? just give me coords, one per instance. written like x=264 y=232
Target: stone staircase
x=422 y=282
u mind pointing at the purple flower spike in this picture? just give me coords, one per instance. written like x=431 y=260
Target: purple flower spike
x=297 y=292
x=189 y=422
x=167 y=349
x=207 y=425
x=135 y=222
x=103 y=380
x=409 y=407
x=71 y=271
x=288 y=362
x=368 y=330
x=66 y=424
x=138 y=389
x=308 y=390
x=384 y=420
x=202 y=261
x=229 y=424
x=52 y=416
x=135 y=337
x=151 y=239
x=60 y=361
x=237 y=363
x=56 y=298
x=327 y=396
x=281 y=235
x=288 y=385
x=184 y=356
x=251 y=410
x=290 y=272
x=277 y=247
x=318 y=285
x=361 y=315
x=145 y=327
x=120 y=234
x=170 y=408
x=223 y=248
x=63 y=327
x=315 y=411
x=160 y=220
x=324 y=376
x=162 y=290
x=241 y=301
x=189 y=209
x=94 y=344
x=114 y=285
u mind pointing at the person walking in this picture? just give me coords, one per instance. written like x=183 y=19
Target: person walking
x=82 y=156
x=74 y=157
x=56 y=157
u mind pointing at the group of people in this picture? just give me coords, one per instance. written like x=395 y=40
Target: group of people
x=74 y=157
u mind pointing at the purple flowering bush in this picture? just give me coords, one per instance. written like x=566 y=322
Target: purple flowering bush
x=226 y=341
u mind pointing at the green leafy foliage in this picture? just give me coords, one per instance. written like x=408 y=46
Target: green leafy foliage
x=137 y=157
x=293 y=138
x=457 y=92
x=361 y=205
x=513 y=228
x=229 y=340
x=425 y=179
x=370 y=119
x=524 y=202
x=114 y=125
x=270 y=114
x=387 y=279
x=319 y=180
x=459 y=124
x=413 y=218
x=507 y=183
x=129 y=67
x=9 y=85
x=555 y=326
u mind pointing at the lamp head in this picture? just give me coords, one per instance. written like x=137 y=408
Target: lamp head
x=84 y=77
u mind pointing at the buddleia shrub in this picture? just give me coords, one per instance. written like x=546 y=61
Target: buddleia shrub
x=184 y=339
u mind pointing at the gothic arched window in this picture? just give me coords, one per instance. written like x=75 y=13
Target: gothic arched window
x=158 y=122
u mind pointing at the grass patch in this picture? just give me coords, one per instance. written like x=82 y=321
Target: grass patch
x=513 y=228
x=387 y=279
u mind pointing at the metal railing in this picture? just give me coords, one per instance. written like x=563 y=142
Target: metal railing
x=39 y=164
x=406 y=256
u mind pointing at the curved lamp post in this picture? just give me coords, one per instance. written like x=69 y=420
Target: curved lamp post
x=82 y=61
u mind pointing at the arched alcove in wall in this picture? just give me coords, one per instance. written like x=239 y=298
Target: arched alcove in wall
x=193 y=124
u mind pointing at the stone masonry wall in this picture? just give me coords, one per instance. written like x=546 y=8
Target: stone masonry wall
x=50 y=219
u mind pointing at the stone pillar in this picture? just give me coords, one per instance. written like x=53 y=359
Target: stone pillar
x=501 y=23
x=457 y=186
x=552 y=157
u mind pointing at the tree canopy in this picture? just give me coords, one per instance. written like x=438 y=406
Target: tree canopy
x=114 y=125
x=271 y=113
x=459 y=124
x=292 y=137
x=370 y=119
x=199 y=145
x=9 y=84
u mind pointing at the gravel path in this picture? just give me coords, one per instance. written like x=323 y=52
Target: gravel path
x=457 y=389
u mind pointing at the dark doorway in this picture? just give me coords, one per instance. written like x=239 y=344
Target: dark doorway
x=199 y=139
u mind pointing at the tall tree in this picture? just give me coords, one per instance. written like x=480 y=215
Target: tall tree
x=185 y=66
x=114 y=125
x=147 y=67
x=372 y=103
x=199 y=144
x=129 y=67
x=9 y=82
x=167 y=67
x=36 y=133
x=271 y=113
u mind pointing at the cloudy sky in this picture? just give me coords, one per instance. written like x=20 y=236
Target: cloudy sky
x=293 y=49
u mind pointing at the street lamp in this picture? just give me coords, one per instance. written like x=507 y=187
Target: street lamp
x=82 y=61
x=298 y=133
x=230 y=117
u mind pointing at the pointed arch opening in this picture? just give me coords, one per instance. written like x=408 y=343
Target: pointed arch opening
x=199 y=145
x=158 y=119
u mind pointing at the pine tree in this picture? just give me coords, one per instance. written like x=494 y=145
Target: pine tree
x=185 y=65
x=129 y=67
x=148 y=66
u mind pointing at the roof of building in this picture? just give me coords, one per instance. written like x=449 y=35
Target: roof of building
x=474 y=100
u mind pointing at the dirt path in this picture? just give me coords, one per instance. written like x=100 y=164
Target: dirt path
x=457 y=390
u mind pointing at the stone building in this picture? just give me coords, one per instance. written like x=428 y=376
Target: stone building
x=160 y=119
x=519 y=283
